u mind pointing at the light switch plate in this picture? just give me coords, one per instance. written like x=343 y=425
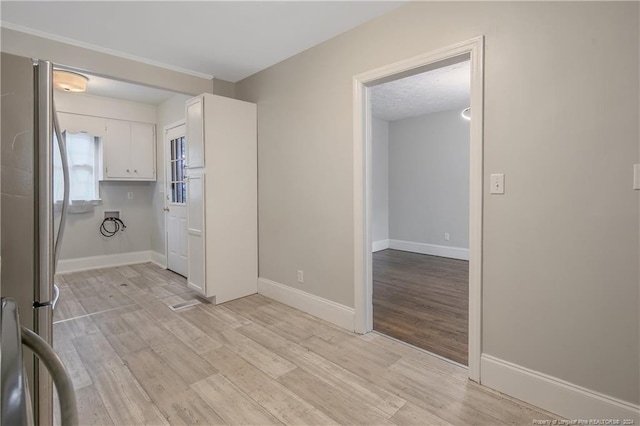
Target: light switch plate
x=497 y=183
x=636 y=176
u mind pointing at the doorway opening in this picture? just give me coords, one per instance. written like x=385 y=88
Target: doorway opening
x=471 y=52
x=420 y=209
x=112 y=272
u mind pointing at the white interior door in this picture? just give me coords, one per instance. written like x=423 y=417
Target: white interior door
x=176 y=200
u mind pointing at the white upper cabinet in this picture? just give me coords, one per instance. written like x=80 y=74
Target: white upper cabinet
x=143 y=143
x=127 y=148
x=116 y=147
x=195 y=132
x=128 y=151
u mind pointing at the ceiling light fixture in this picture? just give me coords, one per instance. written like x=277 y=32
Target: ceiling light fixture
x=466 y=113
x=69 y=81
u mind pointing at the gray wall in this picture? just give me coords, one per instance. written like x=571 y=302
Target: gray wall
x=168 y=113
x=82 y=237
x=224 y=88
x=429 y=179
x=561 y=247
x=380 y=180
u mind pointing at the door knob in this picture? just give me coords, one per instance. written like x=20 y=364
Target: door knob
x=166 y=209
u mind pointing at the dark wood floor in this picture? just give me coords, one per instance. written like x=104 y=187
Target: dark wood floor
x=422 y=300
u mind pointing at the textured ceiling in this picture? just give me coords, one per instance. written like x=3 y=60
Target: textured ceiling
x=441 y=89
x=229 y=40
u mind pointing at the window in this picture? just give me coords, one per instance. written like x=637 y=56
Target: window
x=82 y=154
x=178 y=185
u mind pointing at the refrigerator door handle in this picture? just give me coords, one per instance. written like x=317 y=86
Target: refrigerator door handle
x=44 y=228
x=62 y=144
x=59 y=374
x=44 y=199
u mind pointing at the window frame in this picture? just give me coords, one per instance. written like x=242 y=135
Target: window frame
x=57 y=169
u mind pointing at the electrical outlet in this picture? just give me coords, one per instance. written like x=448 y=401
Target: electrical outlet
x=300 y=277
x=446 y=236
x=130 y=195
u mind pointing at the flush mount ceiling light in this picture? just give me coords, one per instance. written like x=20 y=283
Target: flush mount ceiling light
x=466 y=113
x=69 y=81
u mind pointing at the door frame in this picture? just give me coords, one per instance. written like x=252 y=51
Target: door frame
x=472 y=49
x=165 y=150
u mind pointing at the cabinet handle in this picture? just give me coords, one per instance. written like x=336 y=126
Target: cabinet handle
x=135 y=171
x=128 y=171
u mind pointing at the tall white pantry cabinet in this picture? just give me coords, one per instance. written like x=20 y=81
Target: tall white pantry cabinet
x=222 y=197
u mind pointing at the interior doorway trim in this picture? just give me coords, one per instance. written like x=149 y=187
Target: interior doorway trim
x=473 y=50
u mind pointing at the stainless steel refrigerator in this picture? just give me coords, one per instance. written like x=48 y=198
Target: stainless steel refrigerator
x=30 y=230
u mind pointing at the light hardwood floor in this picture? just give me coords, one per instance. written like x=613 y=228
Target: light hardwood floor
x=423 y=300
x=252 y=361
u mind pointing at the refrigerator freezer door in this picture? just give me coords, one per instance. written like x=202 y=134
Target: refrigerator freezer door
x=17 y=229
x=26 y=222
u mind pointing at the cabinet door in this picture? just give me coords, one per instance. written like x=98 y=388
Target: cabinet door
x=143 y=159
x=117 y=150
x=195 y=132
x=196 y=269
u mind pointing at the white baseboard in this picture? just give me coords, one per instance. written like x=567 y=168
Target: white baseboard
x=432 y=249
x=325 y=309
x=379 y=245
x=104 y=261
x=552 y=394
x=159 y=259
